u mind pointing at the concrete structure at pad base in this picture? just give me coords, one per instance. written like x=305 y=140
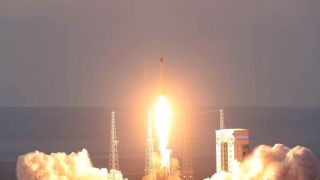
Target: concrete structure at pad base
x=232 y=145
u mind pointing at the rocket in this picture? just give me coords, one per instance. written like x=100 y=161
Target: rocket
x=162 y=76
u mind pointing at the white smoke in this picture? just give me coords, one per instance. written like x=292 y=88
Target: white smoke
x=159 y=171
x=275 y=163
x=61 y=166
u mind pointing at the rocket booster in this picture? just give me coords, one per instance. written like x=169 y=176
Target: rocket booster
x=162 y=76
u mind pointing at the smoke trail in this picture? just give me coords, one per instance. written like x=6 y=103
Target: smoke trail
x=275 y=163
x=75 y=166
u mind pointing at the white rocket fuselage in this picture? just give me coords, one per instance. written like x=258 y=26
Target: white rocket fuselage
x=162 y=93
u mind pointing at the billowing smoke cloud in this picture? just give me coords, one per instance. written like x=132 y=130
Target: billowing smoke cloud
x=159 y=171
x=75 y=166
x=275 y=163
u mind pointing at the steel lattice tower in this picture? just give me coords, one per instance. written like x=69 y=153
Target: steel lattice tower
x=187 y=170
x=113 y=156
x=149 y=163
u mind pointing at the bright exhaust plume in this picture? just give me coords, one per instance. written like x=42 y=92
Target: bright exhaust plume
x=162 y=117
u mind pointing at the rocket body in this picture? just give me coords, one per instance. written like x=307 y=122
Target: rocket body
x=163 y=116
x=162 y=91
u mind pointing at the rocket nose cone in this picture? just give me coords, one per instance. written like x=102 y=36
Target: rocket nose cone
x=161 y=60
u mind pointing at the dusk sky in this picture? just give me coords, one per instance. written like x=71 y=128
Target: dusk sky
x=106 y=53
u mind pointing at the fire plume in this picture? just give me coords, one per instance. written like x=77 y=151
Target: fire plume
x=162 y=117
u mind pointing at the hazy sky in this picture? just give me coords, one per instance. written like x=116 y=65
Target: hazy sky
x=104 y=53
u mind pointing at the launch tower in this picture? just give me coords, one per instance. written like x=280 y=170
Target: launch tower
x=187 y=170
x=232 y=145
x=113 y=156
x=149 y=163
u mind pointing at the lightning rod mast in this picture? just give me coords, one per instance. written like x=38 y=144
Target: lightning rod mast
x=221 y=119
